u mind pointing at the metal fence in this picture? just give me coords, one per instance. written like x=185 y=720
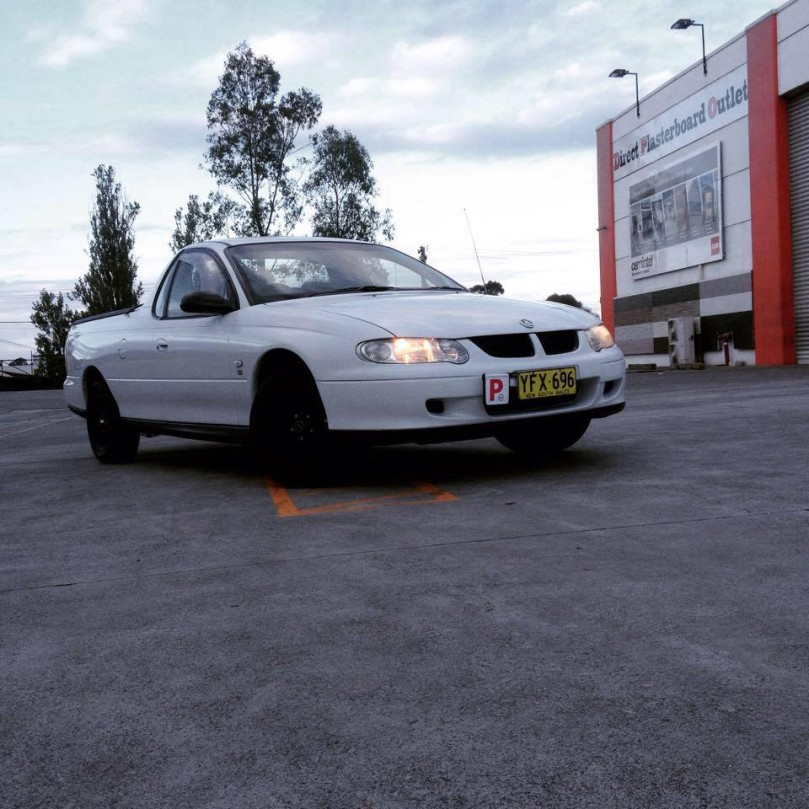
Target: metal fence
x=19 y=366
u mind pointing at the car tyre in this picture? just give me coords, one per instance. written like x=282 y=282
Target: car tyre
x=291 y=432
x=111 y=440
x=544 y=438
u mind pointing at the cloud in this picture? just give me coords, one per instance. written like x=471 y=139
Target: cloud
x=103 y=24
x=156 y=137
x=486 y=139
x=358 y=86
x=294 y=47
x=413 y=87
x=284 y=49
x=442 y=54
x=9 y=149
x=169 y=136
x=204 y=73
x=582 y=9
x=501 y=110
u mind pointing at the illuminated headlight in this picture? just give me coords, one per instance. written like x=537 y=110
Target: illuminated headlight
x=408 y=350
x=599 y=337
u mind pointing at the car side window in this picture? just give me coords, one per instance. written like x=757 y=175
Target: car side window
x=196 y=271
x=160 y=302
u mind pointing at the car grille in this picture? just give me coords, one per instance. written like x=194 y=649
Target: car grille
x=559 y=342
x=520 y=345
x=505 y=345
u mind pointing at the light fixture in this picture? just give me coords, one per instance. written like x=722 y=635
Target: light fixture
x=684 y=23
x=619 y=73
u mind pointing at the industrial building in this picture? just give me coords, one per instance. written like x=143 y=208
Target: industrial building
x=703 y=203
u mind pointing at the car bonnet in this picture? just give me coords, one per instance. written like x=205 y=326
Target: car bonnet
x=452 y=314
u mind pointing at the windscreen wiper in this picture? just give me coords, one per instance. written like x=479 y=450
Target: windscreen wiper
x=342 y=290
x=376 y=288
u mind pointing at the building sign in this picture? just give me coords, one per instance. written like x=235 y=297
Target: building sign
x=702 y=113
x=676 y=215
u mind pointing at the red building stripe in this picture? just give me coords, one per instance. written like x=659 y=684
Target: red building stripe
x=773 y=311
x=606 y=225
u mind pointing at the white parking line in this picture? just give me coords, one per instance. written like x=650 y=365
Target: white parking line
x=34 y=427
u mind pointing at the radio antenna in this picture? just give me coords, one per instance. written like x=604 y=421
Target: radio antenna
x=474 y=246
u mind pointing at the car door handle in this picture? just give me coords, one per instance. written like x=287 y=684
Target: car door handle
x=161 y=345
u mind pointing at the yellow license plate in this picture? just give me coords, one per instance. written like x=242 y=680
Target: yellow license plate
x=553 y=382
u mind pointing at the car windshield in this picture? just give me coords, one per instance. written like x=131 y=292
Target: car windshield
x=273 y=271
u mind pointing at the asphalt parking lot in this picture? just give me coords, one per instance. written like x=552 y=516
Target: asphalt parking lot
x=448 y=626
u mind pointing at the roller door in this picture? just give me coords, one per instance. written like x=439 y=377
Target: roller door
x=799 y=191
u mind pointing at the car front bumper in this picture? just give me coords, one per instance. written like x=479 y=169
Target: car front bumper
x=447 y=402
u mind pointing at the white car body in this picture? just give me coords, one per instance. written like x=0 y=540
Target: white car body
x=198 y=374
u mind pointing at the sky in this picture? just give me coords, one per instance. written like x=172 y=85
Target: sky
x=479 y=116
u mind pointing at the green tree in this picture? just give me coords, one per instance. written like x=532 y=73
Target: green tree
x=200 y=222
x=341 y=189
x=490 y=288
x=568 y=299
x=52 y=316
x=251 y=139
x=111 y=282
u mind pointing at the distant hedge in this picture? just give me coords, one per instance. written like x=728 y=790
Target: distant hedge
x=27 y=383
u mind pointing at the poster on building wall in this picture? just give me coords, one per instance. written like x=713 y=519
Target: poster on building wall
x=676 y=215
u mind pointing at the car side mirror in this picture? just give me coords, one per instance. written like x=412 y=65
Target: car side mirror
x=206 y=303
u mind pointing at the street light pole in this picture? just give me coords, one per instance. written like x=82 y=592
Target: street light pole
x=681 y=25
x=619 y=73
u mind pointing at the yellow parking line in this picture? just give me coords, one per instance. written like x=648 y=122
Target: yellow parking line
x=286 y=507
x=437 y=494
x=280 y=496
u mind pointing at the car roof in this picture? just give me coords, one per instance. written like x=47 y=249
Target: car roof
x=231 y=242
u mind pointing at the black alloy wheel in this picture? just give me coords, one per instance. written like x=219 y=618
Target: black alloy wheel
x=110 y=439
x=290 y=429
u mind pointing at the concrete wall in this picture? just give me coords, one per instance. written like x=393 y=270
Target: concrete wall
x=793 y=46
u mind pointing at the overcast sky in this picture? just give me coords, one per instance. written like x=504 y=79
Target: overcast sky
x=476 y=113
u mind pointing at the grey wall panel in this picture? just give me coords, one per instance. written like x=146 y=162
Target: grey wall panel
x=732 y=285
x=799 y=192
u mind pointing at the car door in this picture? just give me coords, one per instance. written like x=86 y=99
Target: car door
x=195 y=378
